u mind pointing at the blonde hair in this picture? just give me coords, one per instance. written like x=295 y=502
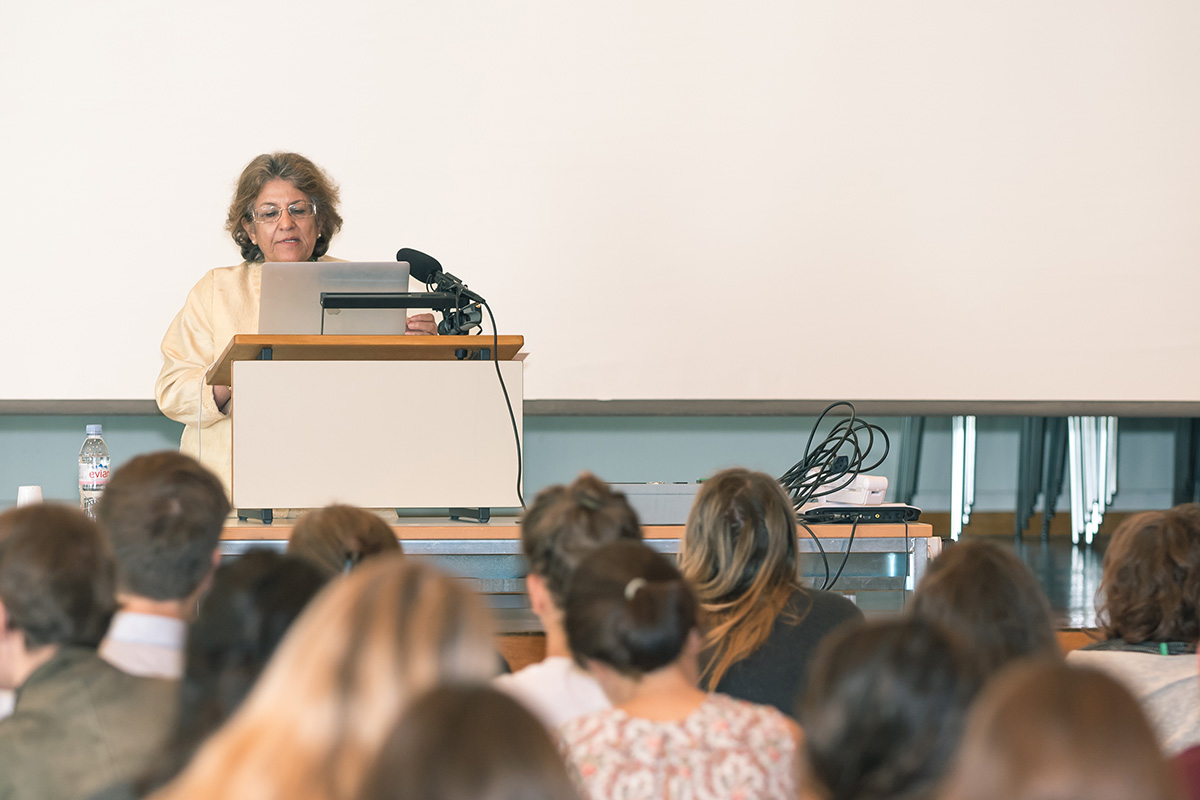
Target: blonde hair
x=739 y=552
x=339 y=537
x=339 y=681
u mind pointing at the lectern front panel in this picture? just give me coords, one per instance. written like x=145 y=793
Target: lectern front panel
x=403 y=434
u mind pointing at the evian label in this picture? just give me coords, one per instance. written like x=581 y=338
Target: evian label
x=95 y=474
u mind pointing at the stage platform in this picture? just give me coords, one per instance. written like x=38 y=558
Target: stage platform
x=885 y=560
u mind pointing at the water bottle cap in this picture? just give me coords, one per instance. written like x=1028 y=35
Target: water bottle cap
x=95 y=430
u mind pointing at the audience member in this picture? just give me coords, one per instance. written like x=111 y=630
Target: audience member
x=337 y=538
x=1187 y=763
x=1148 y=604
x=468 y=743
x=252 y=603
x=884 y=710
x=564 y=524
x=163 y=513
x=992 y=600
x=79 y=723
x=740 y=551
x=1047 y=730
x=631 y=619
x=342 y=676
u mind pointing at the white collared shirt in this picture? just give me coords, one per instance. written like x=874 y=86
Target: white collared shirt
x=147 y=645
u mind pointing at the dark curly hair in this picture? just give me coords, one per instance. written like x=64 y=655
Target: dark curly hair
x=301 y=173
x=1150 y=589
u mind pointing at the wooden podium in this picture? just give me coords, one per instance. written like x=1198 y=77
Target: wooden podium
x=374 y=421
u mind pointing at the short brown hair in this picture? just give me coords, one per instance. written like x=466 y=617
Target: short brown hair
x=565 y=523
x=338 y=537
x=992 y=600
x=884 y=709
x=1150 y=587
x=1046 y=729
x=301 y=173
x=57 y=576
x=163 y=513
x=468 y=742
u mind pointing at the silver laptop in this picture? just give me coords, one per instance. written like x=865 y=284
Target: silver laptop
x=291 y=297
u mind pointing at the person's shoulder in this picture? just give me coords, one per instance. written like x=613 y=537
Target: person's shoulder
x=759 y=717
x=830 y=604
x=533 y=677
x=553 y=669
x=104 y=680
x=585 y=726
x=234 y=271
x=534 y=671
x=222 y=276
x=118 y=791
x=14 y=729
x=555 y=689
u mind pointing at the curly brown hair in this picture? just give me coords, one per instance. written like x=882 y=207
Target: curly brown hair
x=1150 y=589
x=301 y=173
x=565 y=523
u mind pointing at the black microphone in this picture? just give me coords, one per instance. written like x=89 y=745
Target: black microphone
x=428 y=269
x=421 y=266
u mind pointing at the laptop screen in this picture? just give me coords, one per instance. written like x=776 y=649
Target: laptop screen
x=291 y=297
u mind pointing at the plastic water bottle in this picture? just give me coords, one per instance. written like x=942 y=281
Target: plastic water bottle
x=93 y=470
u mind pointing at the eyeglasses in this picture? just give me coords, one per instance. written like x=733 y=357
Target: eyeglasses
x=269 y=215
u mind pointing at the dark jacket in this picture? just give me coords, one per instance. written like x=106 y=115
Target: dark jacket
x=775 y=674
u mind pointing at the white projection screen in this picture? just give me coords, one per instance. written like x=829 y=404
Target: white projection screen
x=672 y=200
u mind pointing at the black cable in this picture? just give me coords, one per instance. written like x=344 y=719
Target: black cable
x=504 y=388
x=832 y=465
x=820 y=549
x=819 y=472
x=845 y=558
x=511 y=416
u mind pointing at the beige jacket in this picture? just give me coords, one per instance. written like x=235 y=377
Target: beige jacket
x=223 y=303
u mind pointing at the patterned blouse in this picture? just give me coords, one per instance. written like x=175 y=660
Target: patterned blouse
x=726 y=749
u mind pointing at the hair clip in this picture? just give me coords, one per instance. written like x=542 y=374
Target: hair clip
x=631 y=588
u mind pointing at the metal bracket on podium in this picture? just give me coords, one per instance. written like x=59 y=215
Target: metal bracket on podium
x=470 y=514
x=267 y=515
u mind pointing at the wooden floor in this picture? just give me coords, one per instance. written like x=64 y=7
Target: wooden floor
x=1069 y=574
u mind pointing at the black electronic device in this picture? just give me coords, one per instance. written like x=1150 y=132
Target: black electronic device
x=460 y=316
x=828 y=514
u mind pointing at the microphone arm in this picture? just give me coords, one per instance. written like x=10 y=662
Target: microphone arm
x=428 y=270
x=455 y=321
x=446 y=282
